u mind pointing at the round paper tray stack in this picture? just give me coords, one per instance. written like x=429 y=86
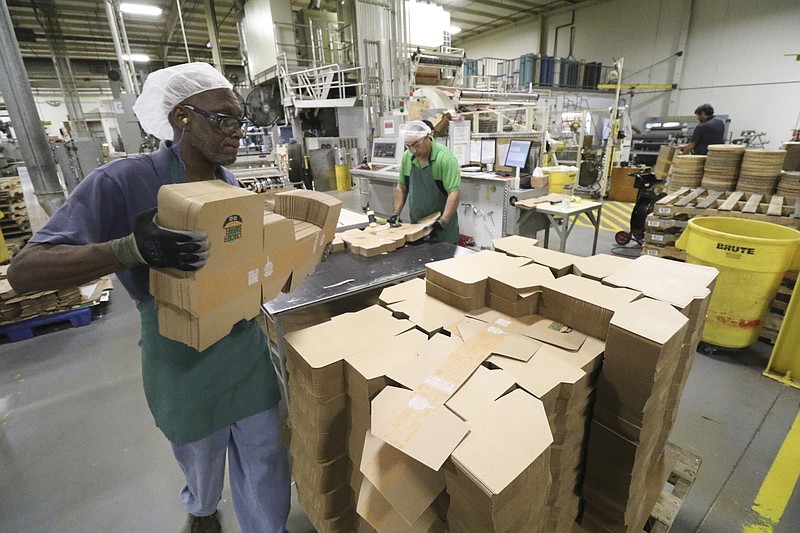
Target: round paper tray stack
x=789 y=185
x=722 y=167
x=760 y=171
x=687 y=171
x=792 y=161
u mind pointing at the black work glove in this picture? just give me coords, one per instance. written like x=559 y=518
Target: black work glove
x=437 y=226
x=394 y=221
x=160 y=247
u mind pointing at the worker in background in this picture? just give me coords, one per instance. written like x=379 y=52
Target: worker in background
x=441 y=127
x=224 y=399
x=711 y=130
x=430 y=179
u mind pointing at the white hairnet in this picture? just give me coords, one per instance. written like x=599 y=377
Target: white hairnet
x=415 y=130
x=168 y=87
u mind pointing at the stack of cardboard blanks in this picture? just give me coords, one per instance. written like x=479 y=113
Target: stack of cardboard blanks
x=626 y=441
x=314 y=207
x=409 y=300
x=477 y=440
x=562 y=376
x=515 y=292
x=254 y=255
x=198 y=308
x=599 y=266
x=503 y=461
x=314 y=216
x=462 y=281
x=558 y=262
x=688 y=288
x=318 y=410
x=383 y=238
x=366 y=376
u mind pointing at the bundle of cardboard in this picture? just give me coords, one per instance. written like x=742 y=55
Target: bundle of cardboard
x=16 y=307
x=255 y=253
x=377 y=239
x=480 y=418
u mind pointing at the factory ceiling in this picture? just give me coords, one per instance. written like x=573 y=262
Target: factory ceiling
x=81 y=29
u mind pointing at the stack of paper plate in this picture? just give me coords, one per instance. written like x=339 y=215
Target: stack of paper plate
x=722 y=167
x=789 y=185
x=687 y=171
x=760 y=171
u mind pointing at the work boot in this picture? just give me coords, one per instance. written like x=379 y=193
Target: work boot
x=204 y=524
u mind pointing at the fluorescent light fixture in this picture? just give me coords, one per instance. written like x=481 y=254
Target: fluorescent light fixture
x=140 y=9
x=137 y=58
x=454 y=30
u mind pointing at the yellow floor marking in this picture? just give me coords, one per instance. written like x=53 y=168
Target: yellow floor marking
x=616 y=216
x=777 y=488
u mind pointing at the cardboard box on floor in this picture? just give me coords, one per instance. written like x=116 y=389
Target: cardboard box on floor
x=252 y=256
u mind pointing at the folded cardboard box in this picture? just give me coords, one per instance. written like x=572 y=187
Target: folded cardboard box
x=253 y=255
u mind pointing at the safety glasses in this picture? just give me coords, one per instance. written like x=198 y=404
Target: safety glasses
x=415 y=145
x=227 y=124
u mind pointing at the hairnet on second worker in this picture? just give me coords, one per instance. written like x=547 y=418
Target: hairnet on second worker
x=168 y=87
x=415 y=130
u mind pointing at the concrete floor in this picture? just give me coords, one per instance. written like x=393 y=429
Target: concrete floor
x=79 y=452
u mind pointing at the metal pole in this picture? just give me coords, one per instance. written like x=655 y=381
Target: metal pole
x=123 y=70
x=183 y=31
x=134 y=80
x=213 y=35
x=16 y=90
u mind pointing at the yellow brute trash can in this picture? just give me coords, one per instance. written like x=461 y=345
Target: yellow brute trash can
x=752 y=258
x=560 y=176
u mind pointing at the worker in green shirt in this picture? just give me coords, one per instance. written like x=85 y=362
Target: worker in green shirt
x=430 y=179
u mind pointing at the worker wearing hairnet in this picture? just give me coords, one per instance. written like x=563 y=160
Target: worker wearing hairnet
x=430 y=179
x=223 y=400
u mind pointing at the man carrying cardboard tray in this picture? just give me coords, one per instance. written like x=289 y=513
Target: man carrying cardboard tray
x=223 y=399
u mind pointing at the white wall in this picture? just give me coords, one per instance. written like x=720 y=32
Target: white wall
x=498 y=44
x=733 y=58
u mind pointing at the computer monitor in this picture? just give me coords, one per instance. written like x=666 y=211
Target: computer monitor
x=387 y=150
x=518 y=151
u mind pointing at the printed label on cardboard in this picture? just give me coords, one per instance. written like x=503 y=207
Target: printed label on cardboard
x=252 y=277
x=556 y=334
x=233 y=229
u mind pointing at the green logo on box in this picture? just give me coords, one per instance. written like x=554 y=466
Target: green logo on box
x=233 y=229
x=561 y=328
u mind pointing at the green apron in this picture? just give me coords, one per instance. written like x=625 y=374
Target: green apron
x=193 y=394
x=424 y=198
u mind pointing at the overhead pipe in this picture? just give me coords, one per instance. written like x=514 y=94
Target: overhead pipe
x=555 y=40
x=124 y=33
x=183 y=31
x=123 y=70
x=16 y=90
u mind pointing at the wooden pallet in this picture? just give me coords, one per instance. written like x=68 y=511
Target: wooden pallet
x=675 y=490
x=26 y=329
x=687 y=203
x=667 y=252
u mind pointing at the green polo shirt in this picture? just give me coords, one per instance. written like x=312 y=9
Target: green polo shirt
x=445 y=166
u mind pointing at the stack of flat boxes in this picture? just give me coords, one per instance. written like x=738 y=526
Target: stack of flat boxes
x=634 y=413
x=561 y=379
x=319 y=410
x=254 y=254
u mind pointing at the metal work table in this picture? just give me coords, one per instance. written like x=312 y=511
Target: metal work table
x=548 y=213
x=570 y=216
x=360 y=274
